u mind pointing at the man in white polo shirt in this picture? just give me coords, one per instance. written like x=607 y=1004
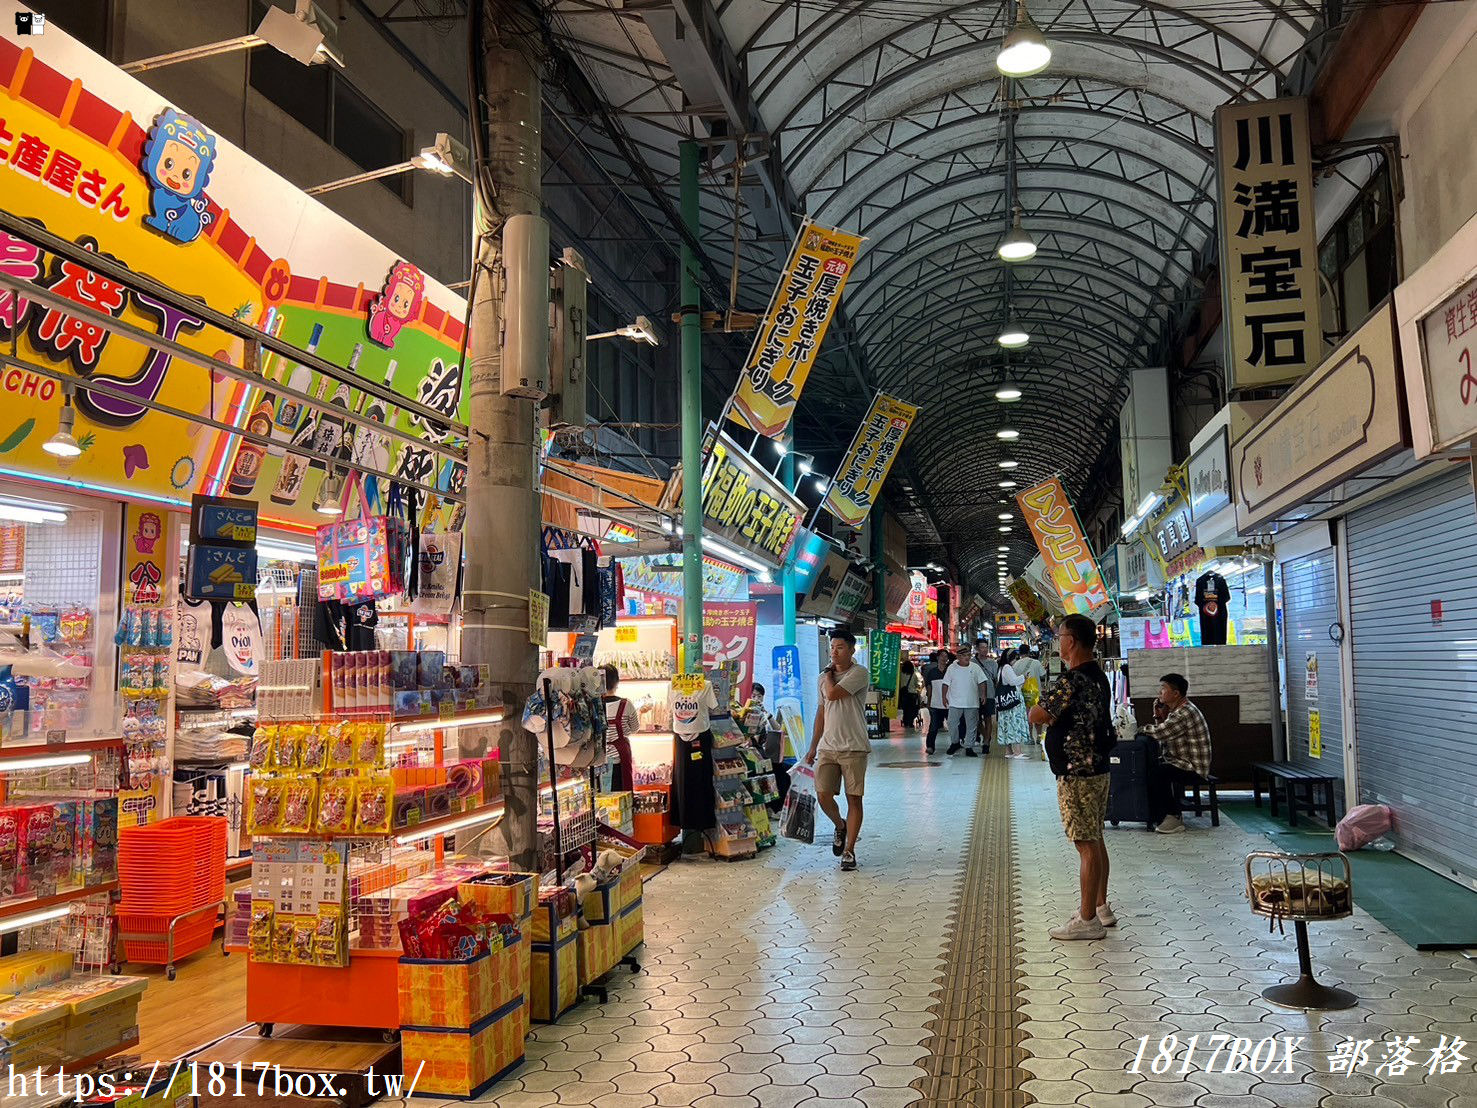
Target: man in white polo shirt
x=965 y=686
x=839 y=747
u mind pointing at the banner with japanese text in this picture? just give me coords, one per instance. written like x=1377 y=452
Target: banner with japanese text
x=790 y=334
x=1070 y=567
x=884 y=655
x=1026 y=600
x=1269 y=245
x=874 y=448
x=99 y=160
x=728 y=636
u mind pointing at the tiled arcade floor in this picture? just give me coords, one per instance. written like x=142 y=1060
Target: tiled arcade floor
x=782 y=982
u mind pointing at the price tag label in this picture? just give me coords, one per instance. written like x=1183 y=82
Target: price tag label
x=625 y=634
x=57 y=736
x=689 y=684
x=448 y=709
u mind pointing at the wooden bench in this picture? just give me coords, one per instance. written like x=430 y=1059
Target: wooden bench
x=1300 y=787
x=1193 y=788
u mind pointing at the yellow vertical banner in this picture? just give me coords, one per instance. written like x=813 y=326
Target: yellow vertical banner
x=790 y=334
x=873 y=450
x=1070 y=566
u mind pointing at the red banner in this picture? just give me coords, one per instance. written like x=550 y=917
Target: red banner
x=728 y=636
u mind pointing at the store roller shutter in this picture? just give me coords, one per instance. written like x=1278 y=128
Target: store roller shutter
x=1310 y=606
x=1415 y=674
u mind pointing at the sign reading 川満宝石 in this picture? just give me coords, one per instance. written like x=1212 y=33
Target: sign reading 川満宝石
x=1269 y=246
x=790 y=334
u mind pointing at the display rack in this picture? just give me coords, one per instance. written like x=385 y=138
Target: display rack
x=369 y=878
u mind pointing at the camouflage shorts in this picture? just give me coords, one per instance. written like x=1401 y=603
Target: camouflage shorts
x=1084 y=805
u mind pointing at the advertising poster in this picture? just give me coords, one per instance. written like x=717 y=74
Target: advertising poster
x=790 y=334
x=873 y=449
x=885 y=652
x=99 y=160
x=728 y=636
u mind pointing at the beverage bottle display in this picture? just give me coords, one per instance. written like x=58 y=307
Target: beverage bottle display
x=295 y=466
x=329 y=438
x=289 y=408
x=372 y=448
x=249 y=454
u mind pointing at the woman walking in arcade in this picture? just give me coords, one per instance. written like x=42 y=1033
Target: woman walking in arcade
x=1014 y=732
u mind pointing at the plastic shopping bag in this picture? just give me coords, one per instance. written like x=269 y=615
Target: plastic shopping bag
x=797 y=821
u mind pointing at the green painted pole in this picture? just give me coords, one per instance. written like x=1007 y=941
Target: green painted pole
x=879 y=564
x=787 y=579
x=692 y=423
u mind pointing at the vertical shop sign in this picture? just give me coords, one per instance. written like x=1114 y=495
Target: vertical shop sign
x=1068 y=561
x=883 y=657
x=1310 y=678
x=873 y=449
x=145 y=558
x=728 y=636
x=917 y=608
x=790 y=334
x=1315 y=733
x=1269 y=246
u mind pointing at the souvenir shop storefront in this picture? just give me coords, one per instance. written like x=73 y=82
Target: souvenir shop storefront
x=234 y=713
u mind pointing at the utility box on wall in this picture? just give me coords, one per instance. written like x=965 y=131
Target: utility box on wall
x=1144 y=436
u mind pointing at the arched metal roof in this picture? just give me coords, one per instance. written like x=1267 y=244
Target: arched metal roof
x=888 y=118
x=891 y=120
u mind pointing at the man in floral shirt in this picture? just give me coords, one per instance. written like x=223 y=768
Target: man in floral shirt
x=1079 y=735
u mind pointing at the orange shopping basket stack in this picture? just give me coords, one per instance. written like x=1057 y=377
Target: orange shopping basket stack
x=173 y=875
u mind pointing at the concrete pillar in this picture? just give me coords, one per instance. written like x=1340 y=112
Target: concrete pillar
x=503 y=507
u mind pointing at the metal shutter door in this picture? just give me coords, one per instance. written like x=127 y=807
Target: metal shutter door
x=1415 y=683
x=1309 y=606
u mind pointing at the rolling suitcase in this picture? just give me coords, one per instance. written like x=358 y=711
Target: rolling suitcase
x=1129 y=766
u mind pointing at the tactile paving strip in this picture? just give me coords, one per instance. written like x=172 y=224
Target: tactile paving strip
x=973 y=1052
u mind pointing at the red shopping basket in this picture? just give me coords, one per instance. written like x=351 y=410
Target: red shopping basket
x=190 y=936
x=172 y=866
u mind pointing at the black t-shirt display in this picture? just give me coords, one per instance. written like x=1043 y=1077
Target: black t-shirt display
x=1211 y=595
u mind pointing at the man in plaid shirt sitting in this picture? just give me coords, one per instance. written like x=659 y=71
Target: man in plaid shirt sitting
x=1184 y=752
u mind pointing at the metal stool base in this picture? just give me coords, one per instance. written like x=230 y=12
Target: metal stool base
x=1307 y=995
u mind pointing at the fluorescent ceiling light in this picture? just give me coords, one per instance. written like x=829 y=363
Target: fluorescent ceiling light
x=1005 y=515
x=1148 y=504
x=1004 y=530
x=449 y=724
x=1024 y=51
x=1003 y=548
x=286 y=552
x=43 y=761
x=20 y=923
x=1008 y=395
x=1007 y=434
x=730 y=553
x=1008 y=464
x=448 y=828
x=31 y=513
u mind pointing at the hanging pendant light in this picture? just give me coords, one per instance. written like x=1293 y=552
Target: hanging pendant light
x=1013 y=336
x=1017 y=245
x=1024 y=51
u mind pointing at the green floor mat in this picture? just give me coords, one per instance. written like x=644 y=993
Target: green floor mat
x=1261 y=821
x=1425 y=909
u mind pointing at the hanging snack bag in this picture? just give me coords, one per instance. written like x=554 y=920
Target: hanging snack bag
x=299 y=795
x=266 y=805
x=374 y=799
x=260 y=757
x=336 y=806
x=340 y=744
x=313 y=754
x=303 y=928
x=282 y=927
x=288 y=745
x=369 y=745
x=262 y=918
x=328 y=936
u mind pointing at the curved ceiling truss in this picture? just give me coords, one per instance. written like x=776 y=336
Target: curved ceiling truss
x=891 y=121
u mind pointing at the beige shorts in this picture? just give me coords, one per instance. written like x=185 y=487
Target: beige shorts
x=1084 y=805
x=833 y=767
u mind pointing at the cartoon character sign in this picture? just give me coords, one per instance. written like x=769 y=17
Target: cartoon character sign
x=178 y=158
x=150 y=527
x=397 y=304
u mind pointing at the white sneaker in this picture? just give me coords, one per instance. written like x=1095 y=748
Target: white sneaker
x=1079 y=928
x=1105 y=916
x=1170 y=825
